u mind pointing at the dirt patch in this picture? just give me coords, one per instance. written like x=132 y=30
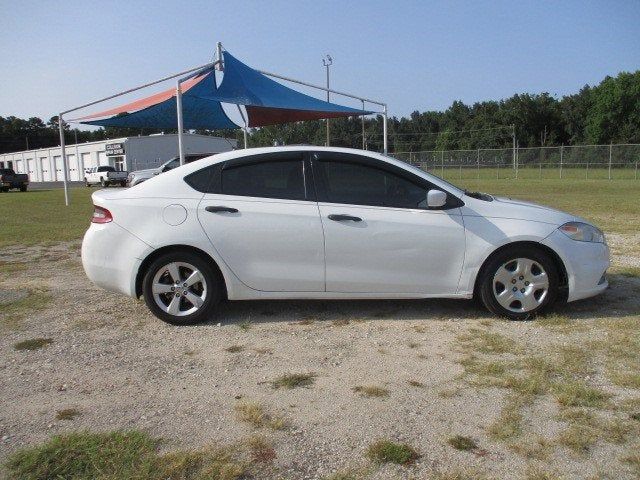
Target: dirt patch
x=121 y=368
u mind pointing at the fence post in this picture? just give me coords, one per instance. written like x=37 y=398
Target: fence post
x=586 y=176
x=540 y=170
x=561 y=155
x=478 y=163
x=635 y=176
x=498 y=172
x=442 y=159
x=460 y=171
x=516 y=160
x=610 y=147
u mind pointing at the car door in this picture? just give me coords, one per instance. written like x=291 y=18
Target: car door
x=380 y=237
x=261 y=216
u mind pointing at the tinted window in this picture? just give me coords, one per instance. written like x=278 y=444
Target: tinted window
x=106 y=169
x=358 y=184
x=272 y=179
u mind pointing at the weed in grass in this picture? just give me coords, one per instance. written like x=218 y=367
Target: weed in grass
x=234 y=348
x=245 y=325
x=67 y=414
x=629 y=272
x=8 y=268
x=463 y=443
x=486 y=342
x=13 y=313
x=33 y=344
x=208 y=462
x=577 y=394
x=340 y=322
x=294 y=380
x=350 y=474
x=420 y=328
x=459 y=474
x=635 y=416
x=449 y=393
x=537 y=449
x=633 y=459
x=538 y=473
x=509 y=423
x=415 y=383
x=371 y=391
x=261 y=450
x=385 y=451
x=256 y=415
x=578 y=438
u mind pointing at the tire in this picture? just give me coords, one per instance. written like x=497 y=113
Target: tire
x=103 y=183
x=123 y=184
x=23 y=188
x=530 y=271
x=163 y=305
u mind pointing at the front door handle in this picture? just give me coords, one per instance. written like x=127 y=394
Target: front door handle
x=219 y=208
x=343 y=218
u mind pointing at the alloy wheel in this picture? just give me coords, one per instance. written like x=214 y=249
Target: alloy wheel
x=179 y=289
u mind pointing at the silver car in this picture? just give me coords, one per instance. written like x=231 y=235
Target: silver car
x=140 y=176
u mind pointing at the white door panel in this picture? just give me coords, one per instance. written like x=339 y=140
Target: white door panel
x=393 y=250
x=269 y=244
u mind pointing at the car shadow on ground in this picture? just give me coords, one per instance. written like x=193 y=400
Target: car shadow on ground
x=621 y=299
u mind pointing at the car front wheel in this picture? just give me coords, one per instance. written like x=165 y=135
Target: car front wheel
x=182 y=288
x=519 y=283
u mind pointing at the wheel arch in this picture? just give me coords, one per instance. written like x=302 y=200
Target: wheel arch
x=142 y=270
x=562 y=269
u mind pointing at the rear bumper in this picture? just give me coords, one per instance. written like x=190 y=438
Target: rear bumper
x=111 y=257
x=586 y=264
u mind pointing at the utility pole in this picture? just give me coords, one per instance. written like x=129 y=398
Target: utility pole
x=327 y=61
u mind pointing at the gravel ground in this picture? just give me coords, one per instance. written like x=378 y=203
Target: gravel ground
x=122 y=368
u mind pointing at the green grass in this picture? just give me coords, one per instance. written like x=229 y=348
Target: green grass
x=33 y=344
x=134 y=455
x=294 y=380
x=371 y=391
x=460 y=442
x=67 y=414
x=40 y=216
x=385 y=451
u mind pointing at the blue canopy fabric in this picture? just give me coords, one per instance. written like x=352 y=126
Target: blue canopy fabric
x=197 y=111
x=266 y=101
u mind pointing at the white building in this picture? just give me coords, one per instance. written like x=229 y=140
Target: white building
x=129 y=153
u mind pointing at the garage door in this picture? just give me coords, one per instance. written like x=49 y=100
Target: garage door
x=73 y=167
x=46 y=169
x=19 y=166
x=31 y=169
x=87 y=162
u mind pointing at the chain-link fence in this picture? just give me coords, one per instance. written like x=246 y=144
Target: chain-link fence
x=613 y=162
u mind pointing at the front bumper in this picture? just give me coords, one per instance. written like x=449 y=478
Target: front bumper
x=111 y=257
x=586 y=264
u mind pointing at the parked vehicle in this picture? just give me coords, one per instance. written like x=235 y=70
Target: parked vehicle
x=140 y=176
x=10 y=179
x=104 y=176
x=332 y=223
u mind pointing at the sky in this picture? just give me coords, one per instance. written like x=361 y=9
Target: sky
x=413 y=55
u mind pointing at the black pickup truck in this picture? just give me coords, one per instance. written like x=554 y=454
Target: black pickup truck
x=10 y=179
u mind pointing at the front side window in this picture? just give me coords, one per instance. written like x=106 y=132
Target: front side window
x=358 y=184
x=269 y=179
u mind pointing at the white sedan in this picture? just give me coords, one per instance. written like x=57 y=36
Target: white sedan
x=332 y=223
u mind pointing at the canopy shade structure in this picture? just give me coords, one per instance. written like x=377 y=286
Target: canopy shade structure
x=159 y=110
x=268 y=102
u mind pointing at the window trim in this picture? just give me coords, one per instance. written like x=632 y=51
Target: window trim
x=350 y=158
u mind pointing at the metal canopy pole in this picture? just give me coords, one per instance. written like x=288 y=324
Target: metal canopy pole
x=244 y=120
x=64 y=159
x=180 y=122
x=384 y=130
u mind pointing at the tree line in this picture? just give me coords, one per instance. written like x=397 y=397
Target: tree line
x=606 y=113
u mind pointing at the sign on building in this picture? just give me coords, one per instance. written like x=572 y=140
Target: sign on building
x=114 y=149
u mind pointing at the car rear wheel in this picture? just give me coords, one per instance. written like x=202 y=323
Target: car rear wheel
x=103 y=183
x=519 y=283
x=23 y=188
x=182 y=288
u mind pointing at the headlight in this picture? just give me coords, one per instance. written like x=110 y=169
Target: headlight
x=582 y=232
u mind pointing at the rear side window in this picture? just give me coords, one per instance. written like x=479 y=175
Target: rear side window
x=269 y=179
x=358 y=184
x=106 y=169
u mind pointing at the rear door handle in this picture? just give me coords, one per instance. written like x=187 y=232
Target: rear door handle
x=220 y=208
x=343 y=218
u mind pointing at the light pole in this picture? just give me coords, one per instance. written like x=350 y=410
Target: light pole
x=327 y=62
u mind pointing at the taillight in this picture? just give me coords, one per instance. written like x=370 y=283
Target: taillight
x=101 y=215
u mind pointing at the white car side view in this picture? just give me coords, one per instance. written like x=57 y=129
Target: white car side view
x=332 y=223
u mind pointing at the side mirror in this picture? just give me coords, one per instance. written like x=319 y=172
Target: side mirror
x=436 y=198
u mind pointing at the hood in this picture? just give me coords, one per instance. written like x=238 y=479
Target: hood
x=502 y=207
x=148 y=172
